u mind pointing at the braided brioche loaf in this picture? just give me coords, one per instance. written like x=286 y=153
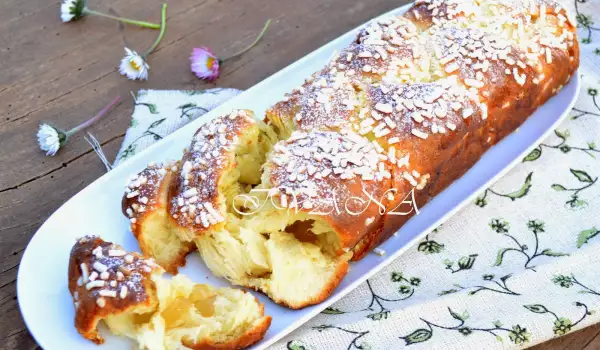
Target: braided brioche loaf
x=282 y=205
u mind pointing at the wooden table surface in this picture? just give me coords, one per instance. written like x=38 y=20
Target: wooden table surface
x=64 y=73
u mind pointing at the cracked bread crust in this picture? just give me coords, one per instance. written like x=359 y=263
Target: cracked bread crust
x=494 y=62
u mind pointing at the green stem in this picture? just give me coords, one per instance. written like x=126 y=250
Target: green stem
x=262 y=33
x=122 y=19
x=163 y=28
x=94 y=118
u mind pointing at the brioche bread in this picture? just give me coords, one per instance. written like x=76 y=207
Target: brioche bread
x=145 y=203
x=347 y=158
x=129 y=293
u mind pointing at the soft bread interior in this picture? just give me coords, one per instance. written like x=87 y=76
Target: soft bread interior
x=192 y=315
x=128 y=323
x=148 y=213
x=159 y=241
x=288 y=255
x=293 y=267
x=250 y=154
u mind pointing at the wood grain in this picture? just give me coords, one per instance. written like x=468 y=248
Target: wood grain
x=64 y=73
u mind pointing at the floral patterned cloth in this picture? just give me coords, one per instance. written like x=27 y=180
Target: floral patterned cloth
x=517 y=267
x=158 y=113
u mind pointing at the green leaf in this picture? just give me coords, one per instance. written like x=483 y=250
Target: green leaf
x=499 y=338
x=465 y=315
x=418 y=336
x=466 y=262
x=504 y=278
x=193 y=92
x=363 y=346
x=585 y=235
x=455 y=315
x=151 y=107
x=449 y=291
x=549 y=252
x=533 y=155
x=322 y=327
x=397 y=277
x=332 y=311
x=295 y=345
x=558 y=187
x=497 y=324
x=522 y=192
x=379 y=315
x=581 y=175
x=561 y=134
x=500 y=256
x=187 y=105
x=156 y=123
x=537 y=308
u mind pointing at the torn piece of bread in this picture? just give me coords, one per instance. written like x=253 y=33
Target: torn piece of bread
x=129 y=293
x=105 y=280
x=224 y=159
x=145 y=204
x=317 y=199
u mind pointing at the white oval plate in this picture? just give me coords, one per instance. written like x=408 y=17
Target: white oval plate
x=42 y=291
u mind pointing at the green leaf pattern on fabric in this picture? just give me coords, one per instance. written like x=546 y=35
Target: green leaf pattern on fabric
x=519 y=193
x=517 y=334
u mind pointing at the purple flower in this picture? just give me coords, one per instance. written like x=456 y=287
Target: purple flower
x=204 y=63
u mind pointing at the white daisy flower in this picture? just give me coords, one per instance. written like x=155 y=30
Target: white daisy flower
x=50 y=139
x=133 y=66
x=72 y=10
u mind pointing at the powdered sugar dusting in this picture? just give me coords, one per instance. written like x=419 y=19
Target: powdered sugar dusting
x=195 y=202
x=117 y=270
x=142 y=192
x=320 y=169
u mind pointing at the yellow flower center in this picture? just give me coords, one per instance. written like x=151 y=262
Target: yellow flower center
x=209 y=62
x=134 y=64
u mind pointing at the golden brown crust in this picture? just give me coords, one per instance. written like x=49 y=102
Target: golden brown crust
x=336 y=177
x=509 y=103
x=127 y=286
x=513 y=82
x=195 y=202
x=250 y=337
x=146 y=198
x=105 y=280
x=386 y=51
